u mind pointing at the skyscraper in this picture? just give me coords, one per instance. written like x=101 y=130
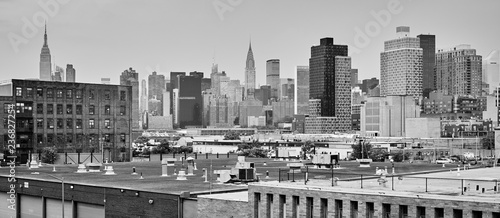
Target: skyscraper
x=174 y=84
x=491 y=70
x=273 y=77
x=131 y=78
x=302 y=90
x=401 y=65
x=428 y=45
x=459 y=71
x=329 y=83
x=70 y=73
x=190 y=101
x=45 y=60
x=249 y=74
x=354 y=77
x=58 y=74
x=144 y=96
x=156 y=87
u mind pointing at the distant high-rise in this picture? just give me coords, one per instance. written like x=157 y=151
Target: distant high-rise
x=302 y=90
x=286 y=90
x=354 y=77
x=459 y=71
x=105 y=80
x=131 y=78
x=70 y=73
x=428 y=45
x=329 y=83
x=144 y=96
x=249 y=74
x=174 y=84
x=369 y=84
x=401 y=65
x=189 y=102
x=491 y=70
x=58 y=74
x=156 y=87
x=273 y=77
x=45 y=60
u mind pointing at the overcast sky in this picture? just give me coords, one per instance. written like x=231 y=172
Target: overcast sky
x=103 y=38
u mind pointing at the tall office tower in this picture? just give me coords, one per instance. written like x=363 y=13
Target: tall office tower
x=206 y=84
x=249 y=74
x=302 y=90
x=401 y=65
x=174 y=84
x=234 y=91
x=263 y=94
x=196 y=74
x=223 y=85
x=45 y=60
x=459 y=71
x=428 y=45
x=166 y=103
x=491 y=70
x=57 y=76
x=144 y=96
x=190 y=102
x=273 y=77
x=219 y=83
x=354 y=78
x=131 y=78
x=329 y=82
x=286 y=90
x=219 y=112
x=70 y=73
x=156 y=87
x=369 y=84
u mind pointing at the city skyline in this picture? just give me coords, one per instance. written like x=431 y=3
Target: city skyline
x=88 y=40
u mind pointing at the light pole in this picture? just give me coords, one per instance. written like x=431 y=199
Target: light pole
x=62 y=190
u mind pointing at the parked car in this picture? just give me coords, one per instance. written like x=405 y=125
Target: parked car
x=443 y=160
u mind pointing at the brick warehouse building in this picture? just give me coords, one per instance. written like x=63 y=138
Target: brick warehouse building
x=74 y=117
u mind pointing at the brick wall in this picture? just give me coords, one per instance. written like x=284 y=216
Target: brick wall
x=115 y=202
x=209 y=207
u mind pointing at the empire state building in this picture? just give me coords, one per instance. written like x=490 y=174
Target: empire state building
x=45 y=60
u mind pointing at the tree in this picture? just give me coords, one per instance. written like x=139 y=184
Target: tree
x=49 y=155
x=163 y=147
x=361 y=146
x=379 y=155
x=488 y=142
x=141 y=140
x=232 y=135
x=399 y=157
x=308 y=147
x=236 y=121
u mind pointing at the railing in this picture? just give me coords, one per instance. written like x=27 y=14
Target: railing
x=396 y=182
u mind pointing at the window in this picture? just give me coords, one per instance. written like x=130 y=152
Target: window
x=29 y=92
x=107 y=110
x=60 y=124
x=256 y=204
x=91 y=94
x=39 y=108
x=39 y=123
x=107 y=94
x=91 y=124
x=69 y=123
x=78 y=94
x=122 y=137
x=295 y=206
x=59 y=93
x=269 y=205
x=495 y=215
x=24 y=108
x=39 y=138
x=69 y=94
x=338 y=208
x=403 y=211
x=477 y=214
x=91 y=109
x=108 y=138
x=78 y=109
x=370 y=209
x=78 y=123
x=50 y=138
x=50 y=123
x=323 y=210
x=39 y=93
x=69 y=138
x=69 y=109
x=107 y=124
x=50 y=109
x=123 y=110
x=79 y=137
x=282 y=206
x=19 y=91
x=354 y=209
x=50 y=93
x=438 y=212
x=421 y=212
x=6 y=107
x=309 y=207
x=386 y=210
x=123 y=96
x=59 y=109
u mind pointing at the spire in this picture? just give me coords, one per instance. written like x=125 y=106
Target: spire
x=45 y=36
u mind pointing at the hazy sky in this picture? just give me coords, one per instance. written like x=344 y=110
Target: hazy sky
x=103 y=38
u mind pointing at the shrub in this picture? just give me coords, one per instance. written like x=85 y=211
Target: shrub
x=145 y=151
x=49 y=155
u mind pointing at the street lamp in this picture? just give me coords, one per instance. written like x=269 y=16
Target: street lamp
x=62 y=190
